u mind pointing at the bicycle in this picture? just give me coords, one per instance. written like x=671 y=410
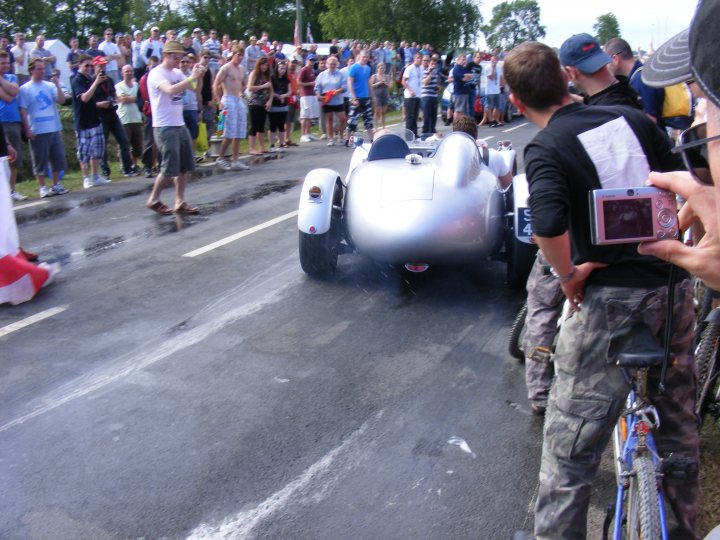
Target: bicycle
x=639 y=510
x=707 y=364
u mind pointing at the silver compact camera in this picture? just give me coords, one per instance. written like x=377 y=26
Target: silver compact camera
x=629 y=215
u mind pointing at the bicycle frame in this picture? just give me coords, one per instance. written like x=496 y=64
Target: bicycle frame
x=633 y=437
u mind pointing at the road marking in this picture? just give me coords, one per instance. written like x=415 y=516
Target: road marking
x=29 y=205
x=516 y=127
x=307 y=486
x=241 y=234
x=19 y=325
x=488 y=138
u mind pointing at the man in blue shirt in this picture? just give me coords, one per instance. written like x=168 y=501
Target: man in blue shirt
x=624 y=64
x=39 y=113
x=359 y=87
x=461 y=90
x=10 y=119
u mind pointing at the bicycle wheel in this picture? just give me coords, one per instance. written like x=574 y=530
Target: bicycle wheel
x=706 y=365
x=643 y=509
x=516 y=334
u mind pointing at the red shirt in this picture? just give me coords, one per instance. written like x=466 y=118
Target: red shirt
x=307 y=75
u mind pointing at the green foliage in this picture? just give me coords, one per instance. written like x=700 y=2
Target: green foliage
x=445 y=24
x=606 y=28
x=513 y=23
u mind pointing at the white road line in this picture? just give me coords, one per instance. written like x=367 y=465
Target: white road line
x=29 y=205
x=148 y=354
x=19 y=325
x=308 y=486
x=241 y=234
x=516 y=127
x=488 y=138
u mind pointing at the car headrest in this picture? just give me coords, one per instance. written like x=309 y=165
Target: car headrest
x=388 y=146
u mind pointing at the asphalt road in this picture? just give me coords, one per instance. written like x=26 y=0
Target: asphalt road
x=228 y=395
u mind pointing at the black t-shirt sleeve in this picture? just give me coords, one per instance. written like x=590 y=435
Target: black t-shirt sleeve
x=549 y=203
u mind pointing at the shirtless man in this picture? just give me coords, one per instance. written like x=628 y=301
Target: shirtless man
x=228 y=88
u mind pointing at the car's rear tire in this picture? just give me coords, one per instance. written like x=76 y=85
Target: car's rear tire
x=520 y=259
x=319 y=252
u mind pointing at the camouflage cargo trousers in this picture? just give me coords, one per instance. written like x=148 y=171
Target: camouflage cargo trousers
x=544 y=301
x=589 y=393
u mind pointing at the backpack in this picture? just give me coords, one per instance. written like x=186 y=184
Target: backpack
x=677 y=110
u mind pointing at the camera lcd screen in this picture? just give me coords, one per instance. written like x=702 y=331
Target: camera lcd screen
x=628 y=218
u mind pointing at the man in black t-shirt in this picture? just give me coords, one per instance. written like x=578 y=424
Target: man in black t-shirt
x=86 y=121
x=610 y=290
x=586 y=65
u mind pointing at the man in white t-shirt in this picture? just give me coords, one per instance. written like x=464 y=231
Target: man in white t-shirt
x=166 y=86
x=112 y=53
x=21 y=54
x=412 y=82
x=492 y=92
x=129 y=112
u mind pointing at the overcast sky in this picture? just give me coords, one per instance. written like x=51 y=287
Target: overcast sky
x=641 y=22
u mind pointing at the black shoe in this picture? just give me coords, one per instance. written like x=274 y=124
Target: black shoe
x=147 y=173
x=106 y=173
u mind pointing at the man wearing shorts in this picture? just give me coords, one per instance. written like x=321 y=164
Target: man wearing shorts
x=309 y=108
x=229 y=88
x=492 y=92
x=88 y=129
x=332 y=81
x=166 y=86
x=41 y=121
x=359 y=87
x=10 y=119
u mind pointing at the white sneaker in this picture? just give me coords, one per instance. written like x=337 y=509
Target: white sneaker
x=224 y=164
x=59 y=189
x=312 y=137
x=17 y=197
x=101 y=180
x=331 y=142
x=53 y=269
x=305 y=138
x=45 y=192
x=323 y=137
x=88 y=182
x=239 y=165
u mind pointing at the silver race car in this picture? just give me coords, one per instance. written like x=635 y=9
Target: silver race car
x=414 y=203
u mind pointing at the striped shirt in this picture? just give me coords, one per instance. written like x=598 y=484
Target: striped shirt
x=430 y=89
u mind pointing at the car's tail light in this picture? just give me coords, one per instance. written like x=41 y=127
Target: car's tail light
x=416 y=267
x=315 y=192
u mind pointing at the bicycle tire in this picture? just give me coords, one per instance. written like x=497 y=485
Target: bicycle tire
x=643 y=514
x=517 y=331
x=703 y=305
x=706 y=365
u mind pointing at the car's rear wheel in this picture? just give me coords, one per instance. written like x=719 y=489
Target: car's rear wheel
x=319 y=252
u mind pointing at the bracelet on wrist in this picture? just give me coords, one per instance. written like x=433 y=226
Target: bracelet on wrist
x=563 y=279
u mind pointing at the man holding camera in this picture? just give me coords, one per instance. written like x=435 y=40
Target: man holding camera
x=107 y=104
x=611 y=289
x=88 y=130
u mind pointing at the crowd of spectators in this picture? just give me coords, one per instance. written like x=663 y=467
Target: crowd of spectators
x=264 y=86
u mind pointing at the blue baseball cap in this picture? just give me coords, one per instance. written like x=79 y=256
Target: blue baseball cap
x=311 y=56
x=583 y=52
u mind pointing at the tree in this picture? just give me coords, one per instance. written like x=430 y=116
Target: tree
x=606 y=28
x=444 y=24
x=512 y=23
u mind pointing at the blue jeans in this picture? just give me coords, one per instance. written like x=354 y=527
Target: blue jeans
x=429 y=110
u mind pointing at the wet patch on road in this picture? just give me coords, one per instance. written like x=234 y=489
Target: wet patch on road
x=240 y=198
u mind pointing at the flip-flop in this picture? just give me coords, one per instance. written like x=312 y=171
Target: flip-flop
x=185 y=208
x=256 y=153
x=160 y=208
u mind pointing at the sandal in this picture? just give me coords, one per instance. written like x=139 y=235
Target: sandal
x=160 y=208
x=185 y=208
x=253 y=153
x=284 y=145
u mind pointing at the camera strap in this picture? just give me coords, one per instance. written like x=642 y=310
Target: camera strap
x=672 y=281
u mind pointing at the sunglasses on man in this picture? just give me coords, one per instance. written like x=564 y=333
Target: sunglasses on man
x=694 y=150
